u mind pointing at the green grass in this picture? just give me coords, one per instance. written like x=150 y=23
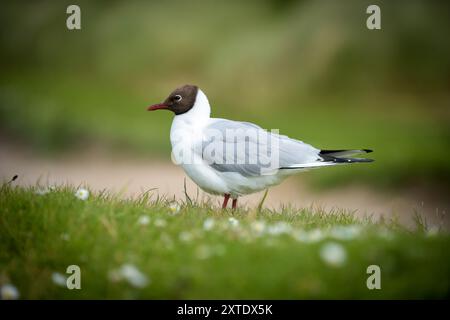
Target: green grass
x=266 y=254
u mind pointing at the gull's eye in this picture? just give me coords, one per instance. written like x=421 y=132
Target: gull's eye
x=177 y=98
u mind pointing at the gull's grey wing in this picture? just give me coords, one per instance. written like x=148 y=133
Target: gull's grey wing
x=247 y=149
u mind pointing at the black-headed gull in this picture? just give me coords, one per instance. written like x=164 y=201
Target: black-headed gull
x=233 y=158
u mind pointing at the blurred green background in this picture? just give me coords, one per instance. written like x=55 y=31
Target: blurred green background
x=310 y=68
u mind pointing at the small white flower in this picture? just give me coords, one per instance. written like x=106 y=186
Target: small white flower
x=59 y=279
x=143 y=220
x=160 y=223
x=174 y=207
x=9 y=292
x=312 y=236
x=185 y=236
x=316 y=235
x=345 y=232
x=233 y=222
x=279 y=228
x=82 y=194
x=333 y=254
x=131 y=274
x=258 y=227
x=208 y=224
x=42 y=191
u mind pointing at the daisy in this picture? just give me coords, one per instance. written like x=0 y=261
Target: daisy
x=82 y=194
x=333 y=254
x=59 y=279
x=345 y=232
x=131 y=274
x=174 y=207
x=279 y=228
x=143 y=220
x=233 y=222
x=258 y=227
x=208 y=224
x=9 y=292
x=312 y=236
x=42 y=191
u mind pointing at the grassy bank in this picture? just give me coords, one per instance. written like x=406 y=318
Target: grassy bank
x=152 y=248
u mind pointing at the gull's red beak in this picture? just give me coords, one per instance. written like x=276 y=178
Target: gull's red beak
x=157 y=107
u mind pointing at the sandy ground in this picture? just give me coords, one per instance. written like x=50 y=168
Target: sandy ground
x=132 y=176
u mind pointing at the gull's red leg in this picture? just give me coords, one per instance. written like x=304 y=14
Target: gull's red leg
x=234 y=203
x=225 y=200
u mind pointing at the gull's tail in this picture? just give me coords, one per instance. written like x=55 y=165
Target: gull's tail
x=331 y=158
x=343 y=156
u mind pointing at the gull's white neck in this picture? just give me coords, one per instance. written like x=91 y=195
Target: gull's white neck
x=188 y=127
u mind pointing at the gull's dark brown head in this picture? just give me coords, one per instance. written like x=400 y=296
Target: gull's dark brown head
x=180 y=101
